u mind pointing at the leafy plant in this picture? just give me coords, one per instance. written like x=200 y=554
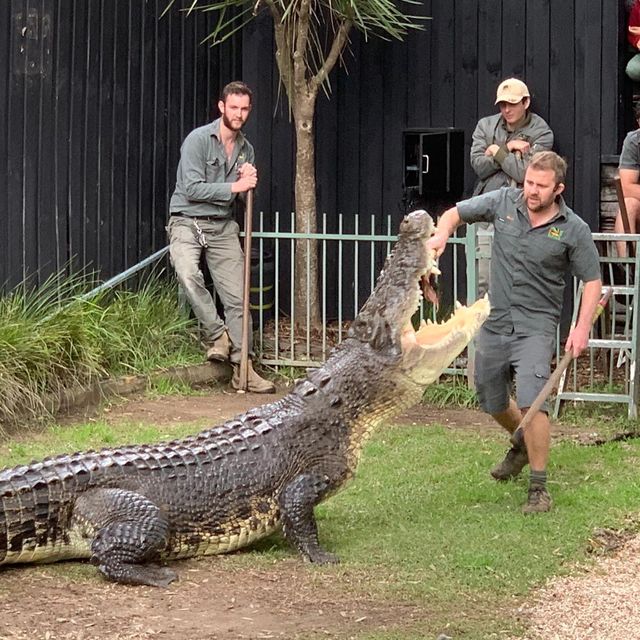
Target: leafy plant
x=450 y=392
x=54 y=337
x=291 y=374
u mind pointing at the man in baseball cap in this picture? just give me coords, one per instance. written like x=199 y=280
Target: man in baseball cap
x=500 y=151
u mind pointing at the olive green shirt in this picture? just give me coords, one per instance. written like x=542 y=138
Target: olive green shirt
x=528 y=265
x=630 y=154
x=205 y=174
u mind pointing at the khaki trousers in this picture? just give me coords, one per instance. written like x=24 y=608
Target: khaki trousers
x=225 y=260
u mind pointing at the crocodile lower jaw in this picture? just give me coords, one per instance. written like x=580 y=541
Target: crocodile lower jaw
x=431 y=349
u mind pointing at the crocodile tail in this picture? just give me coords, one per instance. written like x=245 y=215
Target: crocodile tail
x=29 y=525
x=36 y=502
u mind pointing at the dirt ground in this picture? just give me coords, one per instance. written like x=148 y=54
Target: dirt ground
x=213 y=599
x=221 y=404
x=222 y=597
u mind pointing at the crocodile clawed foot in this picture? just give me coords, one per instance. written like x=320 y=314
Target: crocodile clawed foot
x=140 y=574
x=156 y=576
x=323 y=557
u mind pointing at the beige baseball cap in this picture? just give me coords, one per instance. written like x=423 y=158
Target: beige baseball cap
x=511 y=90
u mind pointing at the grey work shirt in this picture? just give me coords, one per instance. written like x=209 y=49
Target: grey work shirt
x=529 y=264
x=505 y=168
x=630 y=154
x=204 y=177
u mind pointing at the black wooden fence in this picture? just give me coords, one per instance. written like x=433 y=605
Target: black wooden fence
x=570 y=52
x=97 y=95
x=95 y=99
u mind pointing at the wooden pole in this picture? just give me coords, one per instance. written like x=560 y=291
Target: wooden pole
x=244 y=351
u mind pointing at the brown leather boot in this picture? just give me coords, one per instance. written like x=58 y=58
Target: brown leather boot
x=538 y=500
x=255 y=383
x=514 y=461
x=219 y=350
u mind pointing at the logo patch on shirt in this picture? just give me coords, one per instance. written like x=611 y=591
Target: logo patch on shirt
x=555 y=233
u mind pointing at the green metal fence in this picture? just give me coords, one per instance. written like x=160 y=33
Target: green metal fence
x=358 y=255
x=349 y=260
x=607 y=373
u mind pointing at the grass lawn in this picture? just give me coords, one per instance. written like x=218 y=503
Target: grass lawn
x=425 y=523
x=425 y=511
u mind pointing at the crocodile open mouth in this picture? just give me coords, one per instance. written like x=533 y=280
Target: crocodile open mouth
x=429 y=287
x=466 y=320
x=459 y=328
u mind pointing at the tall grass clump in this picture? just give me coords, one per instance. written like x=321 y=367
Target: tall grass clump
x=54 y=337
x=450 y=392
x=145 y=329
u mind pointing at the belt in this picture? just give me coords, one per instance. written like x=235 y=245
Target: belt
x=197 y=218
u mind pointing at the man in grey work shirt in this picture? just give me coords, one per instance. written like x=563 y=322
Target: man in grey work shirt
x=629 y=172
x=537 y=238
x=216 y=164
x=501 y=147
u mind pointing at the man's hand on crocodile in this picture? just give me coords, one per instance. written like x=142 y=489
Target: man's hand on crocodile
x=437 y=243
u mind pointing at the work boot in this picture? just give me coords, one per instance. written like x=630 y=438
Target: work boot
x=538 y=501
x=514 y=461
x=219 y=350
x=255 y=383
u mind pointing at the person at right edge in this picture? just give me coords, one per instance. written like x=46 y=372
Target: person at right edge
x=501 y=147
x=537 y=240
x=629 y=174
x=633 y=37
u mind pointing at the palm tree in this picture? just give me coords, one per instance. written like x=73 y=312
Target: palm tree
x=310 y=37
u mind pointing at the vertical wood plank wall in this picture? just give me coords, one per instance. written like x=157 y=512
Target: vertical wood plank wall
x=91 y=132
x=95 y=99
x=571 y=54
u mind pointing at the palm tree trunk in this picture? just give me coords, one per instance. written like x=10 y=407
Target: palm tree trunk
x=305 y=282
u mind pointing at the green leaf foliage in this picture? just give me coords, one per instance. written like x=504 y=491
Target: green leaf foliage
x=53 y=337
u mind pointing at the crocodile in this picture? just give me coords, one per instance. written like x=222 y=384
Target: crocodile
x=131 y=509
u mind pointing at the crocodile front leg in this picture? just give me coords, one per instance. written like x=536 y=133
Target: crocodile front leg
x=128 y=531
x=298 y=522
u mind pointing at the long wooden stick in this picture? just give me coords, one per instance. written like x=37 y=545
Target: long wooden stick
x=554 y=378
x=244 y=351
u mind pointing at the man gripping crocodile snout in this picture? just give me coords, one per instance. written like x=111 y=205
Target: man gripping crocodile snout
x=537 y=238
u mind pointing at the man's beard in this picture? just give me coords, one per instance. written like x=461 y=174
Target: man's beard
x=542 y=205
x=227 y=123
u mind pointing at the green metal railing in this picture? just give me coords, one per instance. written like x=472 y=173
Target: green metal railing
x=349 y=260
x=608 y=372
x=355 y=256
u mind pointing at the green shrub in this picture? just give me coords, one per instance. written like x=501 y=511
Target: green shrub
x=54 y=337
